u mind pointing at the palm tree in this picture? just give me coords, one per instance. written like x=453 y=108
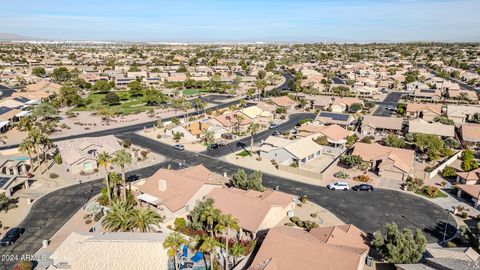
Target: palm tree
x=120 y=217
x=26 y=146
x=237 y=250
x=227 y=222
x=121 y=158
x=242 y=103
x=115 y=181
x=103 y=160
x=3 y=139
x=35 y=136
x=145 y=217
x=208 y=136
x=208 y=246
x=209 y=215
x=173 y=242
x=46 y=144
x=253 y=129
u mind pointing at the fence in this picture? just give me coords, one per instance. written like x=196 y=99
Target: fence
x=429 y=175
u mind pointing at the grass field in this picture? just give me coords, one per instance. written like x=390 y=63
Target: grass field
x=127 y=105
x=190 y=92
x=440 y=194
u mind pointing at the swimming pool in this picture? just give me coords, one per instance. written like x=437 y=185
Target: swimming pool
x=19 y=158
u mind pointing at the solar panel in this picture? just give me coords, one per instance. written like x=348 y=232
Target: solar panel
x=21 y=99
x=335 y=116
x=3 y=181
x=4 y=110
x=427 y=90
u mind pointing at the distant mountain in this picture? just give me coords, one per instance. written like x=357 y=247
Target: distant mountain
x=8 y=36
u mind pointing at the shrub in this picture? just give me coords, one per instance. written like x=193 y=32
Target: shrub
x=126 y=142
x=58 y=159
x=362 y=178
x=303 y=199
x=53 y=175
x=341 y=175
x=449 y=172
x=451 y=244
x=88 y=221
x=414 y=184
x=144 y=153
x=23 y=265
x=431 y=191
x=464 y=215
x=98 y=216
x=290 y=224
x=295 y=219
x=314 y=215
x=367 y=139
x=180 y=223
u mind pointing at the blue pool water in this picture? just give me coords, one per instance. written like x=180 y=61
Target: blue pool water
x=19 y=158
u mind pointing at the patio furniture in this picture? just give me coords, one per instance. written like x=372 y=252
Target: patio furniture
x=198 y=256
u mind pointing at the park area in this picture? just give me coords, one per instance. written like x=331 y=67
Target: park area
x=126 y=104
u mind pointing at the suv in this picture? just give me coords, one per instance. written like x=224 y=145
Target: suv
x=338 y=186
x=179 y=147
x=11 y=236
x=213 y=146
x=273 y=126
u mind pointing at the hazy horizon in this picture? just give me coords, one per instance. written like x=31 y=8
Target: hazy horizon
x=215 y=21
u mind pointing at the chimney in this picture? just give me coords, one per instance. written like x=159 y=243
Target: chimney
x=162 y=185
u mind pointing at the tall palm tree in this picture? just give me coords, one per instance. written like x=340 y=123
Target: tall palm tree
x=26 y=146
x=35 y=136
x=209 y=215
x=122 y=158
x=120 y=217
x=237 y=250
x=115 y=181
x=242 y=103
x=46 y=144
x=174 y=242
x=253 y=130
x=104 y=159
x=145 y=217
x=208 y=246
x=226 y=222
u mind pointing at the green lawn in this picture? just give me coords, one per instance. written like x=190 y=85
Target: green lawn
x=127 y=105
x=190 y=92
x=440 y=194
x=244 y=153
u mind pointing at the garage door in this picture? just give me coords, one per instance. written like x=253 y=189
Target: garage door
x=392 y=175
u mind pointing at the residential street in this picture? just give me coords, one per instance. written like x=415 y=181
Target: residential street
x=390 y=100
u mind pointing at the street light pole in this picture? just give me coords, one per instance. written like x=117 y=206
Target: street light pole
x=446 y=225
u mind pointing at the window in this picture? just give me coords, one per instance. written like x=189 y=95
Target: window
x=311 y=156
x=87 y=166
x=187 y=207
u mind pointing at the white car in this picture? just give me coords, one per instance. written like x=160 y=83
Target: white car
x=338 y=186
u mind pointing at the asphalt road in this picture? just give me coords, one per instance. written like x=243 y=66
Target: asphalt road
x=232 y=148
x=369 y=211
x=5 y=91
x=390 y=100
x=337 y=80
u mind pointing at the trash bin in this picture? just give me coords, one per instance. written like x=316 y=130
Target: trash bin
x=369 y=261
x=45 y=243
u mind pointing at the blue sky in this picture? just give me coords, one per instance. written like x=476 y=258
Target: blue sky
x=237 y=20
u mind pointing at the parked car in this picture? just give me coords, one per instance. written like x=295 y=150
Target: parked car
x=338 y=186
x=213 y=146
x=132 y=177
x=179 y=147
x=275 y=133
x=227 y=136
x=11 y=236
x=363 y=187
x=241 y=144
x=390 y=108
x=273 y=126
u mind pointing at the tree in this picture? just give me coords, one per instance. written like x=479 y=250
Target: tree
x=237 y=250
x=145 y=217
x=27 y=146
x=69 y=96
x=226 y=222
x=103 y=160
x=475 y=118
x=23 y=265
x=400 y=247
x=261 y=85
x=351 y=161
x=322 y=140
x=122 y=158
x=253 y=129
x=173 y=243
x=208 y=245
x=468 y=161
x=6 y=203
x=39 y=72
x=182 y=69
x=452 y=143
x=208 y=136
x=355 y=107
x=430 y=144
x=449 y=172
x=61 y=74
x=351 y=139
x=136 y=88
x=45 y=110
x=261 y=74
x=101 y=86
x=154 y=97
x=394 y=141
x=444 y=120
x=111 y=99
x=241 y=180
x=471 y=235
x=120 y=217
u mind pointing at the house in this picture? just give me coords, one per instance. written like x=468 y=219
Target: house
x=257 y=114
x=114 y=250
x=319 y=102
x=335 y=134
x=437 y=257
x=387 y=162
x=256 y=211
x=327 y=248
x=427 y=94
x=470 y=190
x=436 y=128
x=186 y=135
x=469 y=178
x=175 y=193
x=283 y=102
x=44 y=86
x=232 y=121
x=413 y=86
x=470 y=134
x=375 y=124
x=80 y=155
x=328 y=118
x=426 y=111
x=343 y=104
x=289 y=151
x=461 y=113
x=462 y=95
